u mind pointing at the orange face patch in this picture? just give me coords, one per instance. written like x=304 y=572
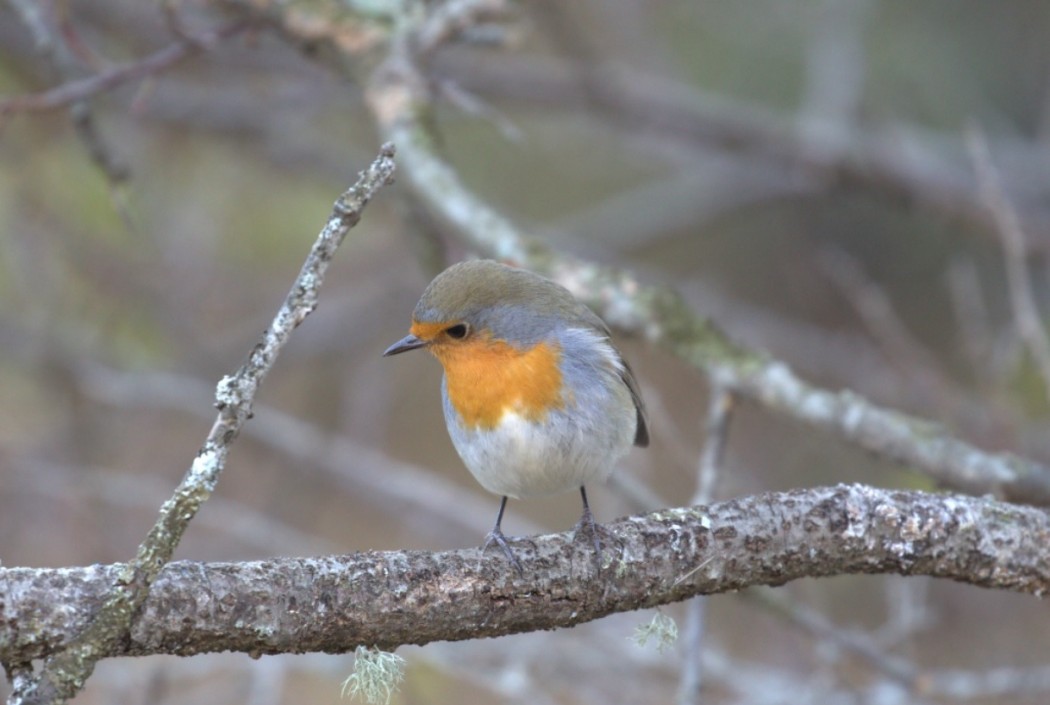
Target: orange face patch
x=428 y=331
x=487 y=378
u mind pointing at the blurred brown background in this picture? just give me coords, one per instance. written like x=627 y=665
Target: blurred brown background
x=799 y=169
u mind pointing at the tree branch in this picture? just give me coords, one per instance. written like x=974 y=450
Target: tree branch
x=156 y=62
x=1022 y=297
x=335 y=603
x=127 y=586
x=896 y=162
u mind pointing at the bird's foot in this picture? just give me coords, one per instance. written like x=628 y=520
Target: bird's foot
x=496 y=537
x=586 y=528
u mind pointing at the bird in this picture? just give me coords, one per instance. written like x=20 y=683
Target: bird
x=536 y=398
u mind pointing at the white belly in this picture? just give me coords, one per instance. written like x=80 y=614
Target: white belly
x=519 y=458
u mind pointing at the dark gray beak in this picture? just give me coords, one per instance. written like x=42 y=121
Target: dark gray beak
x=409 y=342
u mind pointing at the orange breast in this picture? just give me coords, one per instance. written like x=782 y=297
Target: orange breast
x=487 y=378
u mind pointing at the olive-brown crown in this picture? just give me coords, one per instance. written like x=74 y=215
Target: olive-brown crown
x=511 y=304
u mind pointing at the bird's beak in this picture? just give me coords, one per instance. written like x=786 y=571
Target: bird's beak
x=409 y=342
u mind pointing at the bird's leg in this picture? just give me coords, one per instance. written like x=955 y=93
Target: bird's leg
x=587 y=523
x=496 y=536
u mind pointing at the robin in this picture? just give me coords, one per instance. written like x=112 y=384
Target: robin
x=537 y=400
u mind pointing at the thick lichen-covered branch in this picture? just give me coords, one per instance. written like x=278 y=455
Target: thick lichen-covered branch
x=336 y=603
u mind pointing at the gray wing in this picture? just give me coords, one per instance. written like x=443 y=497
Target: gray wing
x=641 y=434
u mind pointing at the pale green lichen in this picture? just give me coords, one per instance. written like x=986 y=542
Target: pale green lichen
x=376 y=677
x=662 y=630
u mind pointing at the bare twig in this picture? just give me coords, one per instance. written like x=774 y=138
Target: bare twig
x=1026 y=313
x=719 y=415
x=447 y=20
x=59 y=52
x=475 y=106
x=156 y=62
x=835 y=73
x=971 y=316
x=817 y=624
x=31 y=14
x=66 y=670
x=170 y=11
x=876 y=311
x=897 y=163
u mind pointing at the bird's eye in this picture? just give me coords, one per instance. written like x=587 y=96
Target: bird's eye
x=458 y=331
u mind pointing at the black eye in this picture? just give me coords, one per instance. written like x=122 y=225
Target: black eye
x=458 y=331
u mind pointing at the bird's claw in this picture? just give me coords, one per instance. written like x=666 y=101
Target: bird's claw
x=496 y=537
x=587 y=525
